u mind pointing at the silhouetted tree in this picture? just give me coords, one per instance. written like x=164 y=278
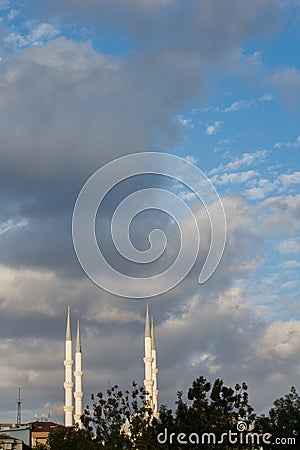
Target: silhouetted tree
x=283 y=420
x=122 y=420
x=211 y=408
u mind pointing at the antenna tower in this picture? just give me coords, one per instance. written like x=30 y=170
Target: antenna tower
x=19 y=411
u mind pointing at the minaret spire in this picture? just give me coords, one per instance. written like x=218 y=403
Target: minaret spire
x=78 y=339
x=68 y=327
x=154 y=371
x=78 y=394
x=147 y=324
x=68 y=384
x=148 y=381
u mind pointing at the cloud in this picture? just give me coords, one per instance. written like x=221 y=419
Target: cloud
x=279 y=214
x=213 y=128
x=291 y=264
x=36 y=35
x=291 y=245
x=4 y=4
x=210 y=330
x=290 y=144
x=287 y=83
x=230 y=178
x=67 y=109
x=280 y=340
x=209 y=27
x=236 y=163
x=186 y=122
x=289 y=179
x=12 y=14
x=261 y=187
x=236 y=106
x=244 y=104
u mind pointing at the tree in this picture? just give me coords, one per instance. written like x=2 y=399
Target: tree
x=40 y=446
x=121 y=421
x=69 y=438
x=283 y=420
x=211 y=408
x=115 y=421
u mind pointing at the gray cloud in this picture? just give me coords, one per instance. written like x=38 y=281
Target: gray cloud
x=66 y=109
x=208 y=26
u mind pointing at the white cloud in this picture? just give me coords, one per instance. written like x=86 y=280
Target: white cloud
x=12 y=225
x=37 y=35
x=291 y=245
x=257 y=193
x=288 y=179
x=280 y=340
x=245 y=160
x=289 y=144
x=240 y=104
x=185 y=122
x=213 y=128
x=260 y=188
x=41 y=33
x=208 y=360
x=291 y=264
x=268 y=97
x=244 y=104
x=12 y=14
x=233 y=178
x=192 y=159
x=280 y=214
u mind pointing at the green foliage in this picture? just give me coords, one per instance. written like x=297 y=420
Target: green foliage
x=41 y=447
x=69 y=438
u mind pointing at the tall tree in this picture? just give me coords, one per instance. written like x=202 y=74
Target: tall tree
x=283 y=421
x=121 y=421
x=211 y=410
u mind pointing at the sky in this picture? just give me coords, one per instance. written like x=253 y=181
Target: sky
x=84 y=83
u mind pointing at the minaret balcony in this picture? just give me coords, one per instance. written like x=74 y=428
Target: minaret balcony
x=78 y=395
x=68 y=362
x=148 y=359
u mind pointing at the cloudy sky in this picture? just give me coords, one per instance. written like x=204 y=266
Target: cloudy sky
x=83 y=83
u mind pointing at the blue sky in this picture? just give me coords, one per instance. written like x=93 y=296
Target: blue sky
x=82 y=84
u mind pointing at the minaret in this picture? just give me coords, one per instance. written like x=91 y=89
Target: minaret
x=78 y=394
x=148 y=381
x=154 y=371
x=68 y=384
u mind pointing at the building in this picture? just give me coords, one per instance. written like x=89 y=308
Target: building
x=21 y=432
x=40 y=431
x=11 y=443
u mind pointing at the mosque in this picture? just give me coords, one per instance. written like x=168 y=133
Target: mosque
x=73 y=380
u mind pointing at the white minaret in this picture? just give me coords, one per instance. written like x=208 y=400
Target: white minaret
x=148 y=381
x=78 y=394
x=154 y=371
x=68 y=384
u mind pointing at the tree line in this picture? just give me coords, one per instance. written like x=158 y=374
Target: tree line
x=211 y=416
